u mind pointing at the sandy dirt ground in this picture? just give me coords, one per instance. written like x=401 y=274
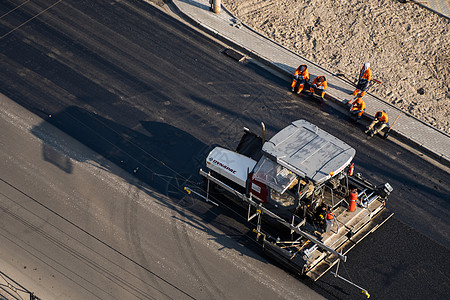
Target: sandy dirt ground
x=407 y=46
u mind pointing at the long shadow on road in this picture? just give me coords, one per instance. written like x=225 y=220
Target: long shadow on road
x=153 y=152
x=161 y=156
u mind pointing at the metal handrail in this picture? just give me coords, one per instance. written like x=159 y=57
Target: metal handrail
x=272 y=215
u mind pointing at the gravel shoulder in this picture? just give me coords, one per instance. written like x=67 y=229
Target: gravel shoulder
x=406 y=45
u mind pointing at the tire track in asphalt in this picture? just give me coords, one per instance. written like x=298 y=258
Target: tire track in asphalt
x=133 y=233
x=185 y=247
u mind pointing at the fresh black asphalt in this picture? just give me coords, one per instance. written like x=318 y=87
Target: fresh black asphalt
x=154 y=96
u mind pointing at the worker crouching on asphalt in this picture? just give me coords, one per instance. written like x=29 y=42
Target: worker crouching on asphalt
x=357 y=108
x=319 y=85
x=301 y=76
x=378 y=124
x=365 y=76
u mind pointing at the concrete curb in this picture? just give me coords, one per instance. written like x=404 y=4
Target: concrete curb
x=429 y=8
x=406 y=139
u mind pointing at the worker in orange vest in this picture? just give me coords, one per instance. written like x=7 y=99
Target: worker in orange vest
x=329 y=221
x=365 y=76
x=301 y=76
x=319 y=85
x=379 y=122
x=357 y=108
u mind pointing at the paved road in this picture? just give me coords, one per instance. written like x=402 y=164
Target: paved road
x=144 y=90
x=75 y=226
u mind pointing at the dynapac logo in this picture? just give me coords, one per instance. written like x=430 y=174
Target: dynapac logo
x=224 y=166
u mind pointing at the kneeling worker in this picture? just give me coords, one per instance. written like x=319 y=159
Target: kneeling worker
x=301 y=76
x=380 y=121
x=319 y=85
x=357 y=108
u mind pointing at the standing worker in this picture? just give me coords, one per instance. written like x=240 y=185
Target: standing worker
x=380 y=121
x=319 y=85
x=301 y=76
x=329 y=222
x=365 y=76
x=357 y=108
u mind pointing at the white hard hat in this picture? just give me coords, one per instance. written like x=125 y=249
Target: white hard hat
x=366 y=65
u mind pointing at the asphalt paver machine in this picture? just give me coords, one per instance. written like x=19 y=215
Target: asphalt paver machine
x=308 y=208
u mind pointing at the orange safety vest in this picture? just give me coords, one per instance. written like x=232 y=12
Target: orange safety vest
x=359 y=104
x=330 y=215
x=305 y=73
x=367 y=74
x=384 y=117
x=323 y=83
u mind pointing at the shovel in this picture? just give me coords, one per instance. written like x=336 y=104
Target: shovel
x=352 y=82
x=386 y=134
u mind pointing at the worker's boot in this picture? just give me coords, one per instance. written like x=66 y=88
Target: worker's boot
x=322 y=96
x=300 y=88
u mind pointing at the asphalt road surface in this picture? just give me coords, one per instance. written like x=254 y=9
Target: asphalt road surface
x=75 y=226
x=153 y=96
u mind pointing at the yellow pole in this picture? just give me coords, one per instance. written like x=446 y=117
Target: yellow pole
x=216 y=6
